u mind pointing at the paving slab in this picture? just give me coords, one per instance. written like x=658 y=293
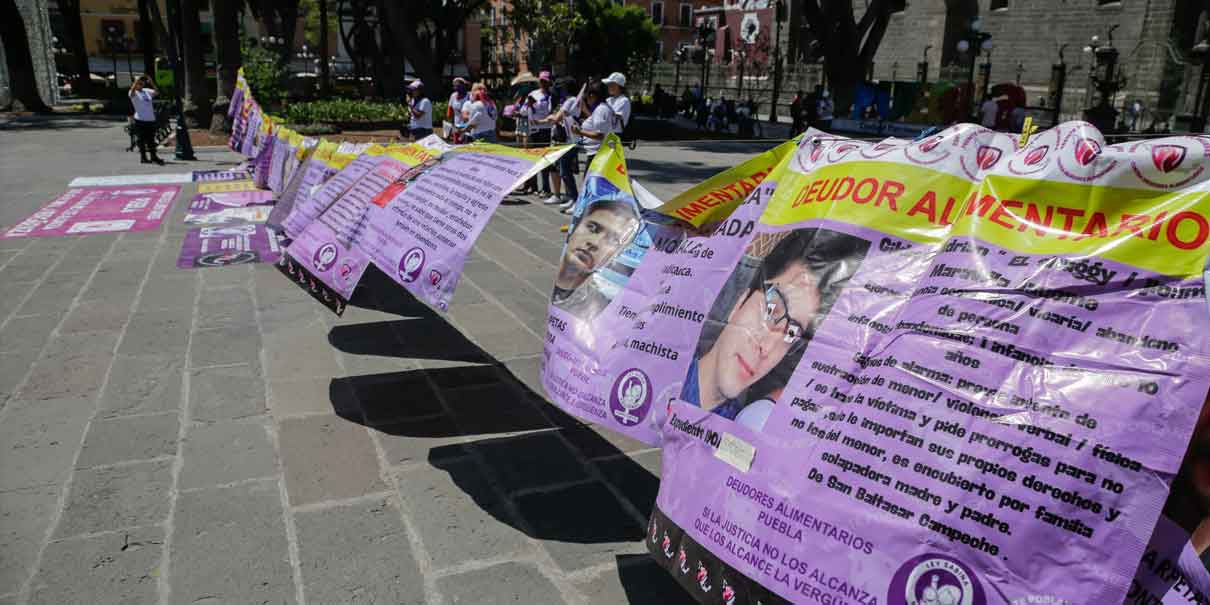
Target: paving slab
x=25 y=515
x=503 y=584
x=142 y=385
x=230 y=547
x=226 y=393
x=116 y=497
x=458 y=514
x=225 y=452
x=358 y=553
x=130 y=438
x=327 y=457
x=599 y=531
x=121 y=568
x=39 y=440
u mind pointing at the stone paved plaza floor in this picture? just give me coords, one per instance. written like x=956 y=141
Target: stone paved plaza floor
x=216 y=436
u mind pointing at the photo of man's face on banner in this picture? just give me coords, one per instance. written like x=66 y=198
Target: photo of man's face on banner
x=764 y=318
x=589 y=272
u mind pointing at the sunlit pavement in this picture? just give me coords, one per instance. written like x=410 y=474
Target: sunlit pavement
x=216 y=436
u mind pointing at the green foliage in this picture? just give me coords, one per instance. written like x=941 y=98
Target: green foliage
x=310 y=8
x=612 y=37
x=336 y=111
x=313 y=130
x=265 y=75
x=550 y=25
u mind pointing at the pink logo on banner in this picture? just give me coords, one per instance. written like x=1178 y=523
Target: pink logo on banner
x=1034 y=157
x=1167 y=157
x=988 y=156
x=108 y=209
x=1086 y=151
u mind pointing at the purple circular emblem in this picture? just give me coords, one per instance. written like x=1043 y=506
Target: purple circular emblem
x=935 y=579
x=630 y=397
x=411 y=264
x=326 y=256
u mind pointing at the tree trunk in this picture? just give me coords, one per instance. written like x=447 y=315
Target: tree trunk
x=73 y=34
x=161 y=32
x=423 y=62
x=325 y=78
x=390 y=20
x=146 y=38
x=20 y=62
x=227 y=51
x=196 y=97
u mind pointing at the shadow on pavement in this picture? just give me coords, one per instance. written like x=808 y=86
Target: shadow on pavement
x=66 y=122
x=517 y=457
x=646 y=583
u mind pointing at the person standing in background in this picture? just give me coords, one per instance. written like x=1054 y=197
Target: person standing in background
x=453 y=112
x=481 y=115
x=826 y=110
x=539 y=105
x=142 y=95
x=564 y=121
x=796 y=114
x=618 y=101
x=600 y=122
x=421 y=111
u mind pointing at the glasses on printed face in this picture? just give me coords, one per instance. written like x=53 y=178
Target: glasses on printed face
x=776 y=316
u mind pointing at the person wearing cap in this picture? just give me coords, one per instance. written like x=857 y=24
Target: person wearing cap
x=461 y=96
x=618 y=101
x=564 y=121
x=421 y=111
x=538 y=107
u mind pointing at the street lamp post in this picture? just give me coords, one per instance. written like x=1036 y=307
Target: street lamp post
x=1105 y=79
x=112 y=40
x=779 y=15
x=922 y=68
x=1201 y=53
x=129 y=43
x=184 y=147
x=974 y=41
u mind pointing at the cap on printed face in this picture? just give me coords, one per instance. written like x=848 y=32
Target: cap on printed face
x=615 y=78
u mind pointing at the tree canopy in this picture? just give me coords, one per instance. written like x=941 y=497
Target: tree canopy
x=612 y=37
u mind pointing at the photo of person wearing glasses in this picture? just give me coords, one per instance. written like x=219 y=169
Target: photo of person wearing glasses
x=763 y=320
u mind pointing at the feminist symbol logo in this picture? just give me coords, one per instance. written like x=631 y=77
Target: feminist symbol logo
x=630 y=397
x=325 y=257
x=411 y=264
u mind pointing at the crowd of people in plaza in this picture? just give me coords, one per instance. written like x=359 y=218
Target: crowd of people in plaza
x=555 y=112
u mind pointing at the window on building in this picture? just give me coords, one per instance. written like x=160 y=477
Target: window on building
x=659 y=51
x=686 y=15
x=657 y=12
x=113 y=31
x=1109 y=2
x=999 y=5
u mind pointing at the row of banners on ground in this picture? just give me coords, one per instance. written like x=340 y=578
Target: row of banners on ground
x=954 y=371
x=942 y=372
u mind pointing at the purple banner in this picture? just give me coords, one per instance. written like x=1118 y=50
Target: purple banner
x=306 y=208
x=99 y=210
x=900 y=396
x=213 y=202
x=228 y=245
x=221 y=175
x=425 y=229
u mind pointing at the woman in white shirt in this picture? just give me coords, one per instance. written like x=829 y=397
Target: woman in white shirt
x=618 y=101
x=480 y=115
x=142 y=94
x=460 y=97
x=600 y=122
x=421 y=108
x=537 y=107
